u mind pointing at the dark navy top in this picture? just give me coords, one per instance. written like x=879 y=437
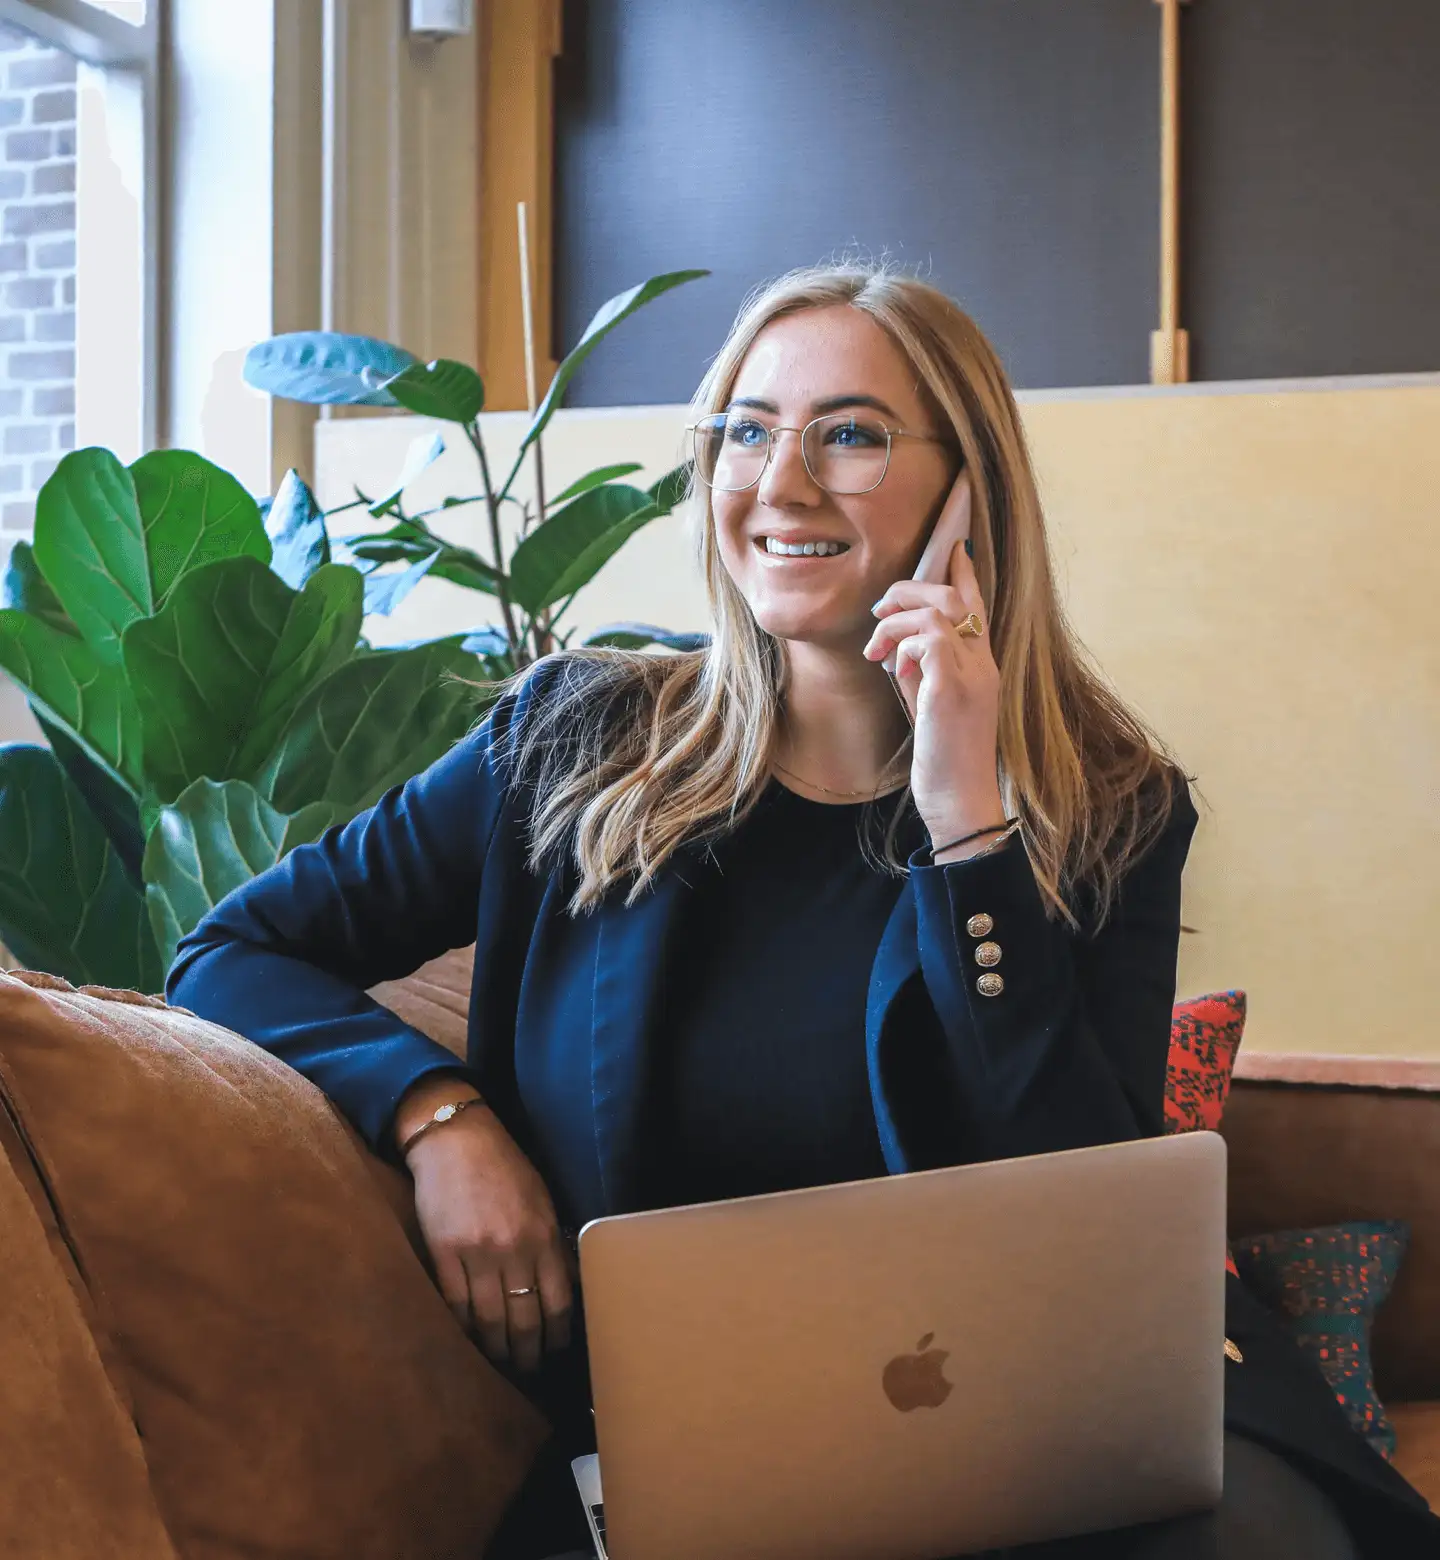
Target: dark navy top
x=760 y=1081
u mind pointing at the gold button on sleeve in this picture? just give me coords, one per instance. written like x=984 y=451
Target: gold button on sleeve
x=987 y=955
x=980 y=925
x=990 y=985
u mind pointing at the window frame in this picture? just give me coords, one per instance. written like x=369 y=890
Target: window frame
x=101 y=39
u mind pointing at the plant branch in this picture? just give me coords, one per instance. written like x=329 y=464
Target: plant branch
x=492 y=508
x=339 y=509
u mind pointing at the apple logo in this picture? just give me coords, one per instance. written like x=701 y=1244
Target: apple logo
x=918 y=1380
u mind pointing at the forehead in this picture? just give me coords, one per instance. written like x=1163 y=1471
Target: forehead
x=819 y=354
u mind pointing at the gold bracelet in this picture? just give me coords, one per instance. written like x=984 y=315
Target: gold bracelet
x=441 y=1116
x=986 y=850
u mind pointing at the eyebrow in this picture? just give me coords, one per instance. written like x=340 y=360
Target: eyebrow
x=831 y=403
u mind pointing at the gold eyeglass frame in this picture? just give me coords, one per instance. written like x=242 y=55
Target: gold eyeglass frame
x=890 y=435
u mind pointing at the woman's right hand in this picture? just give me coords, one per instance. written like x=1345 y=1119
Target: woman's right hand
x=490 y=1226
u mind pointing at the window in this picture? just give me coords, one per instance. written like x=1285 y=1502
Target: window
x=77 y=343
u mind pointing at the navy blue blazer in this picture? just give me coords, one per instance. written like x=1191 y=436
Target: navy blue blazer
x=1072 y=1052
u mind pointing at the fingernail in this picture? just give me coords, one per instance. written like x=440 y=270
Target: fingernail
x=875 y=610
x=969 y=548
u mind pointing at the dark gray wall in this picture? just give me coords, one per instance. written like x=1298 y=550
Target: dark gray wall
x=1312 y=187
x=1008 y=149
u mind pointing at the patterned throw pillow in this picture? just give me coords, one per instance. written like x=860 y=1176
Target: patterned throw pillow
x=1327 y=1283
x=1204 y=1038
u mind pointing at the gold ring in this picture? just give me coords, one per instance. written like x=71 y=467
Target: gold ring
x=970 y=626
x=516 y=1294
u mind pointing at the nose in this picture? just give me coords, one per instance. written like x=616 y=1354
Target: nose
x=786 y=482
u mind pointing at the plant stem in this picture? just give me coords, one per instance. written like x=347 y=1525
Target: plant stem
x=543 y=642
x=492 y=508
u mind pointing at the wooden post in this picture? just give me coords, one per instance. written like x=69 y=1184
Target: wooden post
x=1170 y=345
x=518 y=42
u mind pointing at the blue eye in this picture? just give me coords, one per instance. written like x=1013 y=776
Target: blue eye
x=852 y=435
x=745 y=431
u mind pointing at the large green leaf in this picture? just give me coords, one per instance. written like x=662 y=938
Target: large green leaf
x=112 y=543
x=299 y=542
x=66 y=903
x=445 y=389
x=557 y=558
x=210 y=840
x=607 y=317
x=326 y=368
x=219 y=672
x=114 y=805
x=593 y=479
x=90 y=546
x=378 y=720
x=72 y=686
x=27 y=590
x=194 y=513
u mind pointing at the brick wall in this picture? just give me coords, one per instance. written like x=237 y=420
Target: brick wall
x=37 y=270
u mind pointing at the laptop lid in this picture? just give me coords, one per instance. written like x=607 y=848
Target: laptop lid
x=916 y=1366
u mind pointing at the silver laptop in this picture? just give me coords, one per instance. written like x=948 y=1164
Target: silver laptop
x=913 y=1367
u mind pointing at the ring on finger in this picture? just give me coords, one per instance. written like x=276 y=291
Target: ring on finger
x=970 y=626
x=519 y=1294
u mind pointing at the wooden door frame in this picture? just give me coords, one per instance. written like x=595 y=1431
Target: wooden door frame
x=518 y=42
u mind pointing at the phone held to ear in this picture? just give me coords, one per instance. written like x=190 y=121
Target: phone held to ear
x=951 y=528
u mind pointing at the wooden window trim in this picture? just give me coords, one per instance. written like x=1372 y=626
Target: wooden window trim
x=518 y=42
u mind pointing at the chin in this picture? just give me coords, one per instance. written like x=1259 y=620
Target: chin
x=799 y=628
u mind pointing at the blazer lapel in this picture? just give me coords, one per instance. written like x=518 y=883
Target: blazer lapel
x=632 y=950
x=897 y=964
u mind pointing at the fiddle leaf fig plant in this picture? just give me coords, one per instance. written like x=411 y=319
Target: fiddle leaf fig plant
x=564 y=541
x=196 y=662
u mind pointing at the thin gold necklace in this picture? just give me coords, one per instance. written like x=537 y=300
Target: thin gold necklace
x=871 y=791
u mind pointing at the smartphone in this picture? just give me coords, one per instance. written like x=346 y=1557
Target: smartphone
x=952 y=528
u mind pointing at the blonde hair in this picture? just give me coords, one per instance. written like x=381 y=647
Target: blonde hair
x=632 y=753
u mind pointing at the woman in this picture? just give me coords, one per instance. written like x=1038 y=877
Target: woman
x=740 y=928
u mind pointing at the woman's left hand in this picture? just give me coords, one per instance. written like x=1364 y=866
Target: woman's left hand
x=951 y=686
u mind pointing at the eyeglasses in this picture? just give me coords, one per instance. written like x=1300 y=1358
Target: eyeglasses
x=843 y=453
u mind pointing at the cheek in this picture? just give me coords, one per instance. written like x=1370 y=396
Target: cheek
x=892 y=531
x=731 y=511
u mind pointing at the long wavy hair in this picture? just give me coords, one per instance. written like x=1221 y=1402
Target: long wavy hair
x=630 y=754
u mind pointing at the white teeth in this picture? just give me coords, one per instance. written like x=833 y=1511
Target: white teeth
x=804 y=549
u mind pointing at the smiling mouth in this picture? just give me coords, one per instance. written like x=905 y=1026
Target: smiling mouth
x=815 y=550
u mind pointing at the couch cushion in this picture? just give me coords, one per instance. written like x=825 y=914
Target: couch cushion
x=73 y=1481
x=1205 y=1034
x=1327 y=1152
x=1417 y=1446
x=1328 y=1283
x=299 y=1385
x=435 y=999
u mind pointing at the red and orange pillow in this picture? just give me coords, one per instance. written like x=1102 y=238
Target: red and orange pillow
x=1205 y=1036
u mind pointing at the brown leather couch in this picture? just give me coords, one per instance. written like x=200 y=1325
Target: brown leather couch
x=1312 y=1139
x=180 y=1210
x=1317 y=1139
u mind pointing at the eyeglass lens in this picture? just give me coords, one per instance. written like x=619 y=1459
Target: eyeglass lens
x=843 y=453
